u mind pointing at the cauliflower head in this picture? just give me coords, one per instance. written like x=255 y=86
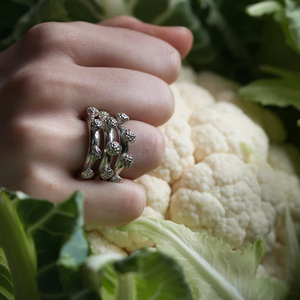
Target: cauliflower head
x=227 y=171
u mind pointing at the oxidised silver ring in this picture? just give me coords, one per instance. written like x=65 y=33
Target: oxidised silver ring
x=116 y=139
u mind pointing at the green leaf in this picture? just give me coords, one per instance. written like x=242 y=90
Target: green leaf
x=48 y=242
x=292 y=255
x=54 y=10
x=146 y=275
x=59 y=240
x=211 y=267
x=287 y=15
x=281 y=92
x=6 y=288
x=266 y=8
x=48 y=258
x=18 y=248
x=25 y=2
x=292 y=14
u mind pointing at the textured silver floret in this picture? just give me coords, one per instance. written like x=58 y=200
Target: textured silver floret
x=103 y=114
x=129 y=136
x=113 y=148
x=95 y=153
x=127 y=160
x=87 y=174
x=110 y=122
x=92 y=111
x=116 y=178
x=122 y=118
x=96 y=124
x=107 y=173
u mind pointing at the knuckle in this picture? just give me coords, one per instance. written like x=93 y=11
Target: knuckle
x=122 y=20
x=37 y=32
x=166 y=97
x=29 y=82
x=49 y=36
x=36 y=85
x=153 y=147
x=22 y=130
x=134 y=203
x=158 y=148
x=173 y=62
x=32 y=180
x=40 y=37
x=170 y=106
x=30 y=173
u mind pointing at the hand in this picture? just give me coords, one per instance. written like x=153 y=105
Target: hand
x=50 y=77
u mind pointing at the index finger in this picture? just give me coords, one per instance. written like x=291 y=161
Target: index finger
x=180 y=38
x=92 y=45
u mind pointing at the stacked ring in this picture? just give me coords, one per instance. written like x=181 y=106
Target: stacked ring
x=113 y=129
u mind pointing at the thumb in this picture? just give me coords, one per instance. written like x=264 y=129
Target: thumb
x=180 y=38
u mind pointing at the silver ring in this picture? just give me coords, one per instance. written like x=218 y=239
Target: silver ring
x=116 y=143
x=94 y=152
x=126 y=136
x=112 y=147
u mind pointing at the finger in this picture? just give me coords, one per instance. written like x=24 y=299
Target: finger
x=148 y=150
x=94 y=45
x=180 y=38
x=63 y=141
x=106 y=203
x=141 y=96
x=67 y=87
x=111 y=204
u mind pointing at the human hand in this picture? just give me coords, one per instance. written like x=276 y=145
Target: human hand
x=50 y=77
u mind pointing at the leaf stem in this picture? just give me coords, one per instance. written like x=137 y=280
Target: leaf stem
x=19 y=250
x=125 y=287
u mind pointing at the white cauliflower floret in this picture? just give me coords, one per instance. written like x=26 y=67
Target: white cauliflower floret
x=221 y=128
x=177 y=131
x=130 y=241
x=262 y=272
x=187 y=74
x=285 y=160
x=181 y=108
x=158 y=194
x=265 y=118
x=274 y=262
x=195 y=97
x=179 y=150
x=218 y=86
x=225 y=90
x=101 y=245
x=291 y=187
x=179 y=147
x=225 y=197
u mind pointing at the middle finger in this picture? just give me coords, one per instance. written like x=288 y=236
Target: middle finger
x=141 y=96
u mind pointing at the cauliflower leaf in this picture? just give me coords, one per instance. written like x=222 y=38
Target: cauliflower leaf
x=281 y=91
x=44 y=248
x=213 y=269
x=6 y=288
x=147 y=275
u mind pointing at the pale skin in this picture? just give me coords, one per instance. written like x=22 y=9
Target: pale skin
x=50 y=77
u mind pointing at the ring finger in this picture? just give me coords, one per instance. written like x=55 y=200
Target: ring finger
x=148 y=150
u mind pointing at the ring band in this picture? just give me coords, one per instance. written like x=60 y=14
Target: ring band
x=126 y=136
x=113 y=129
x=94 y=152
